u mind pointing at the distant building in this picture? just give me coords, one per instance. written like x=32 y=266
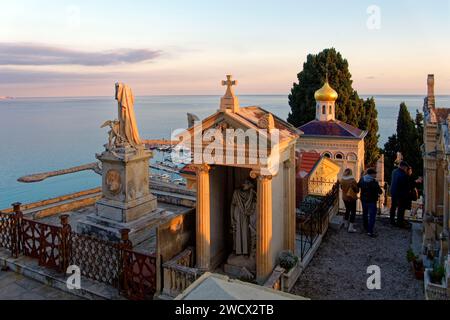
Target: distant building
x=331 y=138
x=315 y=175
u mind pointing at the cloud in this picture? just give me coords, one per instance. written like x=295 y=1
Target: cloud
x=23 y=54
x=17 y=76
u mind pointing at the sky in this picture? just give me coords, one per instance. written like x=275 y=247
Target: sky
x=179 y=47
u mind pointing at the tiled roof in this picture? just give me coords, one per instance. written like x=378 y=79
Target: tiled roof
x=255 y=113
x=308 y=161
x=333 y=128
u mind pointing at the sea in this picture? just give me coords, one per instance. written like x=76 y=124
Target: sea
x=45 y=134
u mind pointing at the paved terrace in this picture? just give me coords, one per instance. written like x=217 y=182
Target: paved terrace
x=15 y=286
x=338 y=269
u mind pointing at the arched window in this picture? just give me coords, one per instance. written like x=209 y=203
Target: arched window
x=324 y=109
x=339 y=156
x=352 y=156
x=327 y=155
x=331 y=110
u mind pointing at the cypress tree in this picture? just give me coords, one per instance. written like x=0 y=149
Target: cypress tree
x=408 y=141
x=419 y=126
x=390 y=154
x=369 y=122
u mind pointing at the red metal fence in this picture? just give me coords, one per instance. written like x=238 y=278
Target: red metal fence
x=6 y=230
x=57 y=247
x=139 y=272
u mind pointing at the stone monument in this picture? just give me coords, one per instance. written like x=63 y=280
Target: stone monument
x=126 y=199
x=242 y=262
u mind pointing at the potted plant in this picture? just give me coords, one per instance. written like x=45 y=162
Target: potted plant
x=416 y=264
x=437 y=274
x=290 y=263
x=435 y=284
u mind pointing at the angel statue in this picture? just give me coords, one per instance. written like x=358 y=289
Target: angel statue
x=114 y=137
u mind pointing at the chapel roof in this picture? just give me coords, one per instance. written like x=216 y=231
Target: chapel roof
x=332 y=128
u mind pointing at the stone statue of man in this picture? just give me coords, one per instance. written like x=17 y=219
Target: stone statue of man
x=127 y=119
x=243 y=214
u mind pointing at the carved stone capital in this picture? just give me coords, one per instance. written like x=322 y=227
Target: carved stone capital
x=204 y=168
x=257 y=174
x=289 y=164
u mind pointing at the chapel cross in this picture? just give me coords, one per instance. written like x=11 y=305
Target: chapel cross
x=229 y=83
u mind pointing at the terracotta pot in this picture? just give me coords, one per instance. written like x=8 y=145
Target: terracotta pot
x=418 y=270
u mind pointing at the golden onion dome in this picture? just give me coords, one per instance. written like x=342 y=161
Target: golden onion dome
x=326 y=93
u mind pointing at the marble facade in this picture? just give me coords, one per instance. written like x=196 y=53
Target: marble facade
x=436 y=156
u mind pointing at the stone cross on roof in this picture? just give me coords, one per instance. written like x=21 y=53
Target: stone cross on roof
x=229 y=101
x=229 y=83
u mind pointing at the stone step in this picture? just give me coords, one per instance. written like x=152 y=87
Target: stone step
x=336 y=222
x=28 y=267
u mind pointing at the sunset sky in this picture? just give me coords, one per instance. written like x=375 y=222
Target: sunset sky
x=80 y=48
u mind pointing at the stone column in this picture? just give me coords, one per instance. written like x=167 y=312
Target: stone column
x=445 y=232
x=430 y=185
x=203 y=227
x=446 y=200
x=264 y=264
x=289 y=206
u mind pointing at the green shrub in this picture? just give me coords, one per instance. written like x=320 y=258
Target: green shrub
x=438 y=273
x=288 y=260
x=410 y=256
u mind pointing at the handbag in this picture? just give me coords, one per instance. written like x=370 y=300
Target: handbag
x=351 y=194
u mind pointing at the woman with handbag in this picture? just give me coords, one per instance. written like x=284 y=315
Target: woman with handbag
x=350 y=190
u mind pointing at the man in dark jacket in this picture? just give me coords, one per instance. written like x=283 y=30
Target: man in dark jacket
x=400 y=193
x=370 y=192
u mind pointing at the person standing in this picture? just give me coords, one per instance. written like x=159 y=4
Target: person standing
x=400 y=194
x=370 y=193
x=413 y=192
x=350 y=191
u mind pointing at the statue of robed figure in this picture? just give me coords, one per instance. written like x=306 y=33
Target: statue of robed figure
x=128 y=130
x=243 y=214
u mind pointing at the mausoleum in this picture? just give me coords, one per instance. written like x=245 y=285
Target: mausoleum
x=245 y=186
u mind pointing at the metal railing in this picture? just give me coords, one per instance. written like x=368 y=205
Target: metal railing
x=313 y=219
x=57 y=247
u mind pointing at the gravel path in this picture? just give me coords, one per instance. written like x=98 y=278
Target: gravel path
x=339 y=268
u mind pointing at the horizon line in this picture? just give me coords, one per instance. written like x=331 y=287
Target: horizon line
x=215 y=95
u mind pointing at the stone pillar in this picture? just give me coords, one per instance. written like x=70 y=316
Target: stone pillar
x=430 y=92
x=446 y=202
x=264 y=263
x=203 y=227
x=289 y=206
x=430 y=185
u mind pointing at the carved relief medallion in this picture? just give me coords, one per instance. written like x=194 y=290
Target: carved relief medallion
x=113 y=181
